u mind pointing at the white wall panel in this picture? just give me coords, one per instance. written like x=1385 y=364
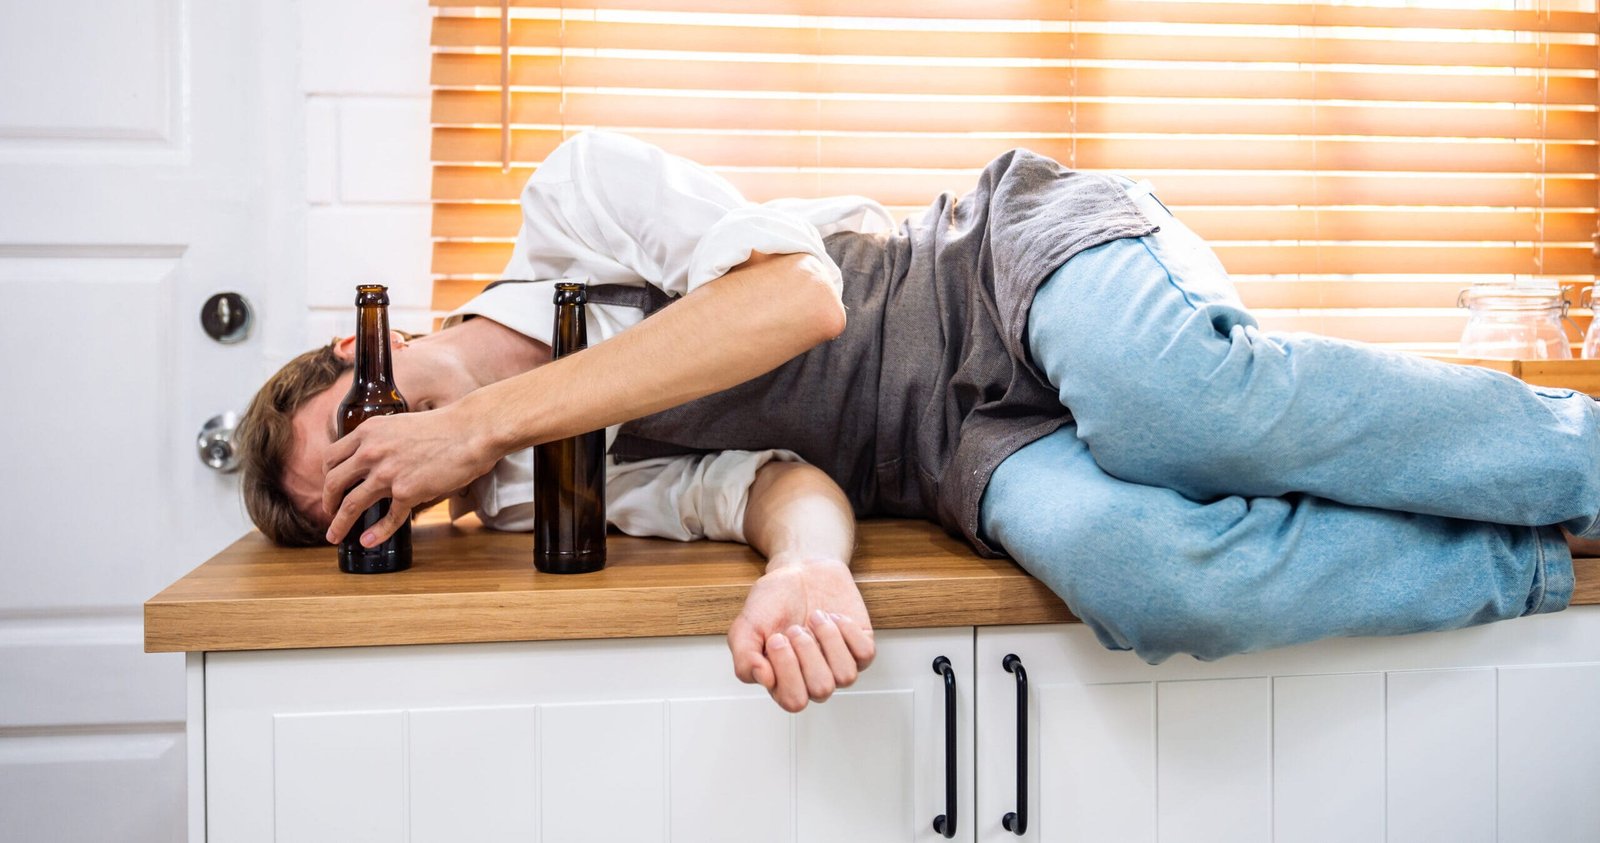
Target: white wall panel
x=91 y=787
x=80 y=72
x=66 y=456
x=339 y=777
x=473 y=774
x=1097 y=763
x=855 y=769
x=1549 y=754
x=602 y=772
x=1214 y=750
x=111 y=678
x=731 y=766
x=1328 y=757
x=1441 y=756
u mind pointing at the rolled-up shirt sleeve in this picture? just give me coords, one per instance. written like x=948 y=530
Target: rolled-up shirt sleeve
x=687 y=498
x=696 y=496
x=618 y=210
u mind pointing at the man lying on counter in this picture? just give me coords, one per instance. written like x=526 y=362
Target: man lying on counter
x=1052 y=367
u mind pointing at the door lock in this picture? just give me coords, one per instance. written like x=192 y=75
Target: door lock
x=216 y=445
x=226 y=318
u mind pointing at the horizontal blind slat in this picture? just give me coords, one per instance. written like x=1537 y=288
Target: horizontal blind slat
x=478 y=258
x=1189 y=153
x=1223 y=81
x=729 y=113
x=502 y=221
x=1281 y=14
x=1084 y=46
x=1236 y=188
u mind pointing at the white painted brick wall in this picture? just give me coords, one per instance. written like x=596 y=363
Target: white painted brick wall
x=383 y=150
x=364 y=72
x=348 y=245
x=365 y=47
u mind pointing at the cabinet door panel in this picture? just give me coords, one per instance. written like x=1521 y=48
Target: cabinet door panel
x=1441 y=756
x=1328 y=757
x=339 y=777
x=474 y=773
x=1097 y=762
x=1549 y=755
x=856 y=769
x=1445 y=736
x=731 y=770
x=602 y=771
x=1215 y=746
x=588 y=740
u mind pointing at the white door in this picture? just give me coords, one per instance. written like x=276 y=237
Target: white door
x=1483 y=734
x=140 y=165
x=609 y=741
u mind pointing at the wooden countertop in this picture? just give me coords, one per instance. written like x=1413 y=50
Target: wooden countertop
x=467 y=583
x=471 y=584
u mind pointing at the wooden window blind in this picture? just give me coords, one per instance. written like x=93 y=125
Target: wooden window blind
x=1354 y=165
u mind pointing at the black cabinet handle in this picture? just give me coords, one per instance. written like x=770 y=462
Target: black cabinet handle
x=945 y=823
x=1016 y=822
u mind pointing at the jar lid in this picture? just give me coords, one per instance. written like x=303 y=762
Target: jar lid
x=1512 y=297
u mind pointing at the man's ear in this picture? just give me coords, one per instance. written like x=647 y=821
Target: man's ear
x=345 y=347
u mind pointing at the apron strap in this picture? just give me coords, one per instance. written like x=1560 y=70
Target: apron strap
x=647 y=298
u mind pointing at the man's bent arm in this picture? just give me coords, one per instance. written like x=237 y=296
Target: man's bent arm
x=737 y=327
x=765 y=312
x=804 y=629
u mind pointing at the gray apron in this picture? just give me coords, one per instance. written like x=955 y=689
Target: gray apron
x=929 y=388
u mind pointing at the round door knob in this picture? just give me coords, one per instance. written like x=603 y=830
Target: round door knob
x=226 y=318
x=216 y=443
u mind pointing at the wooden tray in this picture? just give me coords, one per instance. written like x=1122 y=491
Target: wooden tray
x=1582 y=375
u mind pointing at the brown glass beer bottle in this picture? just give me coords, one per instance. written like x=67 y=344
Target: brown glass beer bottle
x=569 y=478
x=372 y=393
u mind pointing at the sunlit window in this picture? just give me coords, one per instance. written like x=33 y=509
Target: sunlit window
x=1354 y=164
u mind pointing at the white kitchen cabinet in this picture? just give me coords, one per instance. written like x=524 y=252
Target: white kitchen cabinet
x=1486 y=734
x=611 y=740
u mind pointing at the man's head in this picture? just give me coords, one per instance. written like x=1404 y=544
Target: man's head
x=286 y=433
x=267 y=443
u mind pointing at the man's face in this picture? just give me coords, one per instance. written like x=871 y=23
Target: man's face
x=314 y=431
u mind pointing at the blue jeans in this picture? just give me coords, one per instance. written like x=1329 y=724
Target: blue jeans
x=1223 y=490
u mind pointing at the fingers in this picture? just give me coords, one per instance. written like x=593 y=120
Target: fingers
x=858 y=638
x=359 y=500
x=813 y=664
x=789 y=690
x=387 y=526
x=744 y=642
x=340 y=474
x=840 y=660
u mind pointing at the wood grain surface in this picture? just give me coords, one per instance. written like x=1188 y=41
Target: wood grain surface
x=467 y=583
x=471 y=584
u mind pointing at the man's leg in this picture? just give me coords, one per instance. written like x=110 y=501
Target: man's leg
x=1158 y=573
x=1172 y=384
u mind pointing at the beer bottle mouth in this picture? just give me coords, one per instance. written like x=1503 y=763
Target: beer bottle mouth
x=571 y=292
x=369 y=294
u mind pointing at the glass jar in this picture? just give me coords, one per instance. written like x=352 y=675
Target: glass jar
x=1514 y=321
x=1591 y=338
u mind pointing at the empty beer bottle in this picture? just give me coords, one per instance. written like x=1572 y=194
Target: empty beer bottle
x=569 y=480
x=372 y=393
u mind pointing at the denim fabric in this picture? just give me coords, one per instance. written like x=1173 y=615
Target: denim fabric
x=1225 y=490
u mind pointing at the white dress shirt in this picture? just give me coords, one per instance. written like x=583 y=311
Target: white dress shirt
x=605 y=208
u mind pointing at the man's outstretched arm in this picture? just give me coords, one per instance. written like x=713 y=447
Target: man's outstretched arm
x=804 y=630
x=746 y=323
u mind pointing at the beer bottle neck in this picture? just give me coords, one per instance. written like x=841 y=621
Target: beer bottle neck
x=373 y=364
